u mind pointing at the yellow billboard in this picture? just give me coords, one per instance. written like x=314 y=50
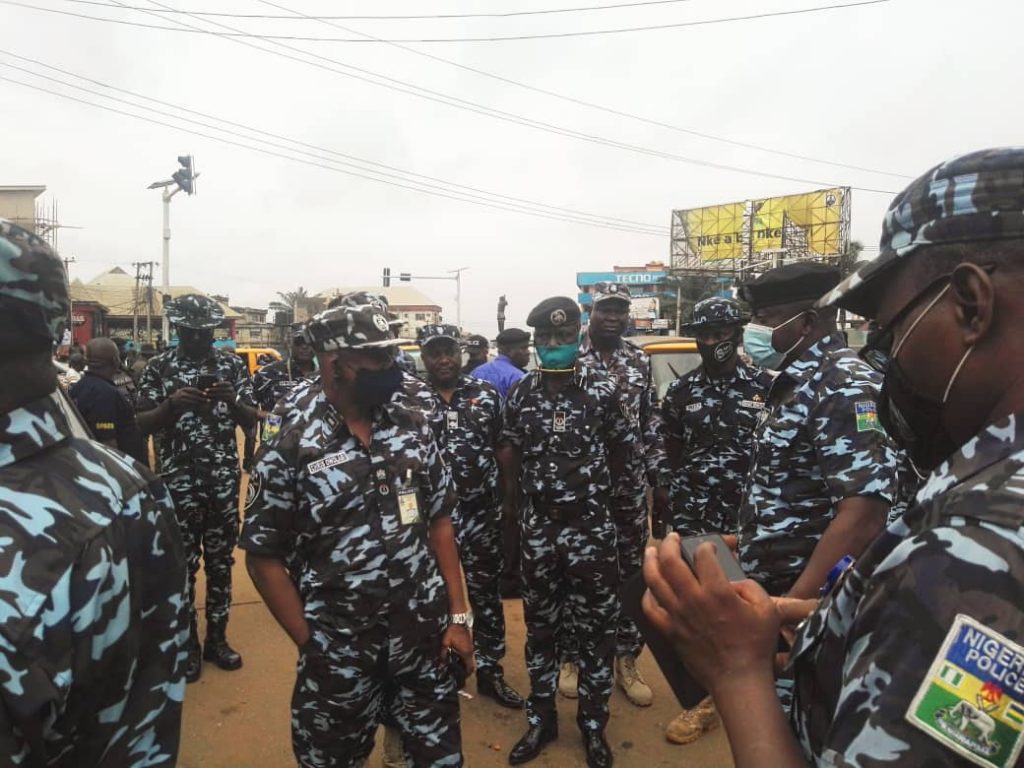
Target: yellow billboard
x=813 y=221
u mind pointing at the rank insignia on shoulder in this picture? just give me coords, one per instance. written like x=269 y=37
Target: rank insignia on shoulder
x=972 y=699
x=867 y=416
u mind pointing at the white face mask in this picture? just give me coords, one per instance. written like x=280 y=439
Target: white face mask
x=757 y=342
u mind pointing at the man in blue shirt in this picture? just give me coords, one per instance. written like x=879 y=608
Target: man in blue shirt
x=510 y=364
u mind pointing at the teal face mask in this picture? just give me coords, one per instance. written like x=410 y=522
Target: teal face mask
x=558 y=358
x=757 y=342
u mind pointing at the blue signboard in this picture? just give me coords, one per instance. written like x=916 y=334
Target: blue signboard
x=629 y=278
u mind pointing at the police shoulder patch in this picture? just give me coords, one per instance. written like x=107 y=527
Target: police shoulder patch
x=972 y=699
x=867 y=416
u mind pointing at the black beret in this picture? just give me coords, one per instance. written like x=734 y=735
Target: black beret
x=512 y=336
x=554 y=313
x=802 y=281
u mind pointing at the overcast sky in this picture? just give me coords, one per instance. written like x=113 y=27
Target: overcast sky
x=896 y=86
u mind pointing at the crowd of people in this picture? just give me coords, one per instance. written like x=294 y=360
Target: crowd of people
x=872 y=500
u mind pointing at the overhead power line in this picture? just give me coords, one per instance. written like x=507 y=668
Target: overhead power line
x=400 y=17
x=340 y=167
x=492 y=39
x=401 y=86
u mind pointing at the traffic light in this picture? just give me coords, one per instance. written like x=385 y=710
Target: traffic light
x=386 y=277
x=405 y=277
x=185 y=176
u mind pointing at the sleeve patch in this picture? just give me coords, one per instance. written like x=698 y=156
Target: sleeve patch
x=867 y=416
x=972 y=699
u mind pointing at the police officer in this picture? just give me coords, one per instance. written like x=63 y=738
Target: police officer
x=823 y=473
x=564 y=443
x=275 y=380
x=914 y=657
x=629 y=369
x=92 y=572
x=192 y=397
x=106 y=408
x=708 y=419
x=470 y=412
x=350 y=542
x=476 y=351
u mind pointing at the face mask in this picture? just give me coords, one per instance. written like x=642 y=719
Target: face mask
x=715 y=355
x=913 y=420
x=376 y=387
x=757 y=342
x=559 y=358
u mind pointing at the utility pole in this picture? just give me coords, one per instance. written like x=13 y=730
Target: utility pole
x=183 y=180
x=135 y=302
x=143 y=274
x=68 y=261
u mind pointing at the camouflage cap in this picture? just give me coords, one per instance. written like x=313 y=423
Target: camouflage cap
x=350 y=328
x=429 y=333
x=193 y=310
x=715 y=312
x=367 y=298
x=33 y=283
x=605 y=291
x=976 y=197
x=554 y=313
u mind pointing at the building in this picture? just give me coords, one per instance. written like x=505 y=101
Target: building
x=646 y=289
x=127 y=305
x=414 y=308
x=18 y=204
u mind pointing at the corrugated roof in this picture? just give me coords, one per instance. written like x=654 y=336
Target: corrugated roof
x=116 y=290
x=398 y=296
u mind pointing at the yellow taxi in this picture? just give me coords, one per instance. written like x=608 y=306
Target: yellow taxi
x=671 y=357
x=257 y=357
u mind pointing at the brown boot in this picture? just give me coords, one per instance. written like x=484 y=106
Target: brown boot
x=693 y=723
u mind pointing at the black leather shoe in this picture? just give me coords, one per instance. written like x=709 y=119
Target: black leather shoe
x=222 y=654
x=495 y=687
x=194 y=664
x=528 y=747
x=599 y=754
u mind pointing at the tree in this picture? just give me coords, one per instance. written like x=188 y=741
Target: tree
x=691 y=289
x=294 y=298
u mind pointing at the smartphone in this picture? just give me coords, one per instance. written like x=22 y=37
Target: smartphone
x=205 y=381
x=457 y=669
x=732 y=569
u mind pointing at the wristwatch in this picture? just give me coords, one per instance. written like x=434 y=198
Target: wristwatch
x=465 y=619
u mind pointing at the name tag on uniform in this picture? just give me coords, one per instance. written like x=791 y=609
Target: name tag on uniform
x=560 y=421
x=757 y=404
x=328 y=461
x=694 y=407
x=452 y=419
x=408 y=506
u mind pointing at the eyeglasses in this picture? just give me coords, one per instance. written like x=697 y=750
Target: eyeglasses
x=879 y=351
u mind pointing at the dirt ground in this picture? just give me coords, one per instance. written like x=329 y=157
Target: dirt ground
x=241 y=719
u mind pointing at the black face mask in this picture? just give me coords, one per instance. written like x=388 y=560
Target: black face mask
x=715 y=355
x=376 y=387
x=914 y=421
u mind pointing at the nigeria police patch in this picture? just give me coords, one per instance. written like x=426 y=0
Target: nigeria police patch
x=867 y=416
x=972 y=699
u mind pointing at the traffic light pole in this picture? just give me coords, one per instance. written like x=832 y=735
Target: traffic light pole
x=166 y=262
x=406 y=277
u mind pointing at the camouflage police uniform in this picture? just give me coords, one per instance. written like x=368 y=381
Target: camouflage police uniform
x=198 y=460
x=352 y=523
x=712 y=420
x=270 y=384
x=569 y=559
x=916 y=658
x=468 y=427
x=817 y=443
x=92 y=574
x=629 y=370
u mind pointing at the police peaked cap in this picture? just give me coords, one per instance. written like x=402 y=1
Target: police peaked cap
x=605 y=291
x=715 y=312
x=429 y=333
x=789 y=284
x=195 y=311
x=33 y=283
x=554 y=313
x=978 y=197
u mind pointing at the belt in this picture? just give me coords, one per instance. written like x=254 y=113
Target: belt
x=561 y=512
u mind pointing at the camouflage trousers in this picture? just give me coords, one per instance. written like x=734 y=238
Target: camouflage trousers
x=348 y=683
x=208 y=518
x=631 y=534
x=570 y=574
x=478 y=534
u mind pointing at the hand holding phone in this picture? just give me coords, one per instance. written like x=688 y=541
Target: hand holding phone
x=733 y=571
x=205 y=381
